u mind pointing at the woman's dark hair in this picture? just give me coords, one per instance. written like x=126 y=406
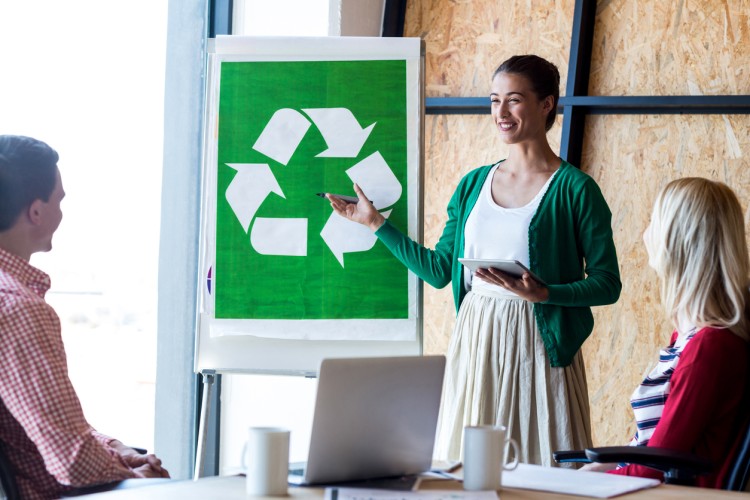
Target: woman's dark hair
x=541 y=74
x=28 y=172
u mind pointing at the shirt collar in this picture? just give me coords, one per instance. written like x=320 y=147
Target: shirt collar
x=20 y=269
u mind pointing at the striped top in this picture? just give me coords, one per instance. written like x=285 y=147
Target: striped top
x=705 y=411
x=648 y=398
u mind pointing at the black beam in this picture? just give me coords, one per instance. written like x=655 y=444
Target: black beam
x=579 y=67
x=220 y=17
x=394 y=14
x=457 y=105
x=608 y=105
x=652 y=105
x=582 y=39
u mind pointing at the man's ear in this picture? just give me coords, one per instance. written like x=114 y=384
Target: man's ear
x=35 y=211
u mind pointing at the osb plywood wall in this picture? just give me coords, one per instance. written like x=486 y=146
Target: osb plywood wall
x=467 y=39
x=656 y=48
x=640 y=48
x=688 y=47
x=632 y=157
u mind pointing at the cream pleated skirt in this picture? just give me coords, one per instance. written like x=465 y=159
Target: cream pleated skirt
x=498 y=374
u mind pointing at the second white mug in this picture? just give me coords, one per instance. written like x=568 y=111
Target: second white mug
x=484 y=456
x=265 y=458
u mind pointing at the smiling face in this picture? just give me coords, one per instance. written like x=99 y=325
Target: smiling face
x=517 y=111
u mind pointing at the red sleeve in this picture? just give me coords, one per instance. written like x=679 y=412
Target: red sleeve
x=703 y=390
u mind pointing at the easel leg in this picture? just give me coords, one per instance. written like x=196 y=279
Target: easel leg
x=200 y=453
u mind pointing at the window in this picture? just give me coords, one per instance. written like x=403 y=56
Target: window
x=281 y=17
x=87 y=77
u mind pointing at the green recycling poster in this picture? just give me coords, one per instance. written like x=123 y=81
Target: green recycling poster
x=287 y=130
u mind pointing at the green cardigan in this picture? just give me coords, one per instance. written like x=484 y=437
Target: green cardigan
x=571 y=225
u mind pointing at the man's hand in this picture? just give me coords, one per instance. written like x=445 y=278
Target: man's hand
x=525 y=287
x=148 y=465
x=146 y=471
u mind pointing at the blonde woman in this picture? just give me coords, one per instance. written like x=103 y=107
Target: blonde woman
x=693 y=400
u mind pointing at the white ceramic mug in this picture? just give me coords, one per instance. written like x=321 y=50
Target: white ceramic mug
x=484 y=456
x=265 y=459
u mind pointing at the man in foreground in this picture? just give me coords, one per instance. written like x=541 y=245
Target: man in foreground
x=43 y=433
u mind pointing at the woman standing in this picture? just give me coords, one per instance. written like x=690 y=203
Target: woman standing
x=692 y=401
x=514 y=355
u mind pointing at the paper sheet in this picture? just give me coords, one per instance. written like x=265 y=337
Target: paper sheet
x=574 y=482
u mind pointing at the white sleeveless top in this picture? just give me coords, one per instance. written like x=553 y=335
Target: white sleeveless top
x=495 y=232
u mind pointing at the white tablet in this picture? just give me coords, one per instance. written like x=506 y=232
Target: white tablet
x=512 y=267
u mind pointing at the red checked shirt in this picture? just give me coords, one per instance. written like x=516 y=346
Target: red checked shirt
x=43 y=432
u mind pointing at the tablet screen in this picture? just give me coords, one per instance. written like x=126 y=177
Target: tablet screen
x=512 y=267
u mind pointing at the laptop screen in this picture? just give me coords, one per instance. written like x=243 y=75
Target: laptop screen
x=374 y=417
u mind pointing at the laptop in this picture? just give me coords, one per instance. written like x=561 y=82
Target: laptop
x=374 y=418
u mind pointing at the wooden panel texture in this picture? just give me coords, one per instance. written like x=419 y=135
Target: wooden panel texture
x=641 y=48
x=467 y=39
x=685 y=47
x=632 y=157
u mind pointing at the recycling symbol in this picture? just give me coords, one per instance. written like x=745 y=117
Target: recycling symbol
x=278 y=141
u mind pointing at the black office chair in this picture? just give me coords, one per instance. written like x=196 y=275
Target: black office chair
x=8 y=480
x=678 y=467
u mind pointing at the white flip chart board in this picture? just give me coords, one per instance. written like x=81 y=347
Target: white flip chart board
x=285 y=282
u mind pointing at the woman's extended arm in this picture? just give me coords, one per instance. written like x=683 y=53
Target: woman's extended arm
x=433 y=266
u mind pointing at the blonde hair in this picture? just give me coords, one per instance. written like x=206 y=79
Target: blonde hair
x=697 y=238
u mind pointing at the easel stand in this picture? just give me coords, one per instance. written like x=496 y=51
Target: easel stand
x=207 y=425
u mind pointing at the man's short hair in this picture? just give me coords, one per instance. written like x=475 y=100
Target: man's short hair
x=28 y=172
